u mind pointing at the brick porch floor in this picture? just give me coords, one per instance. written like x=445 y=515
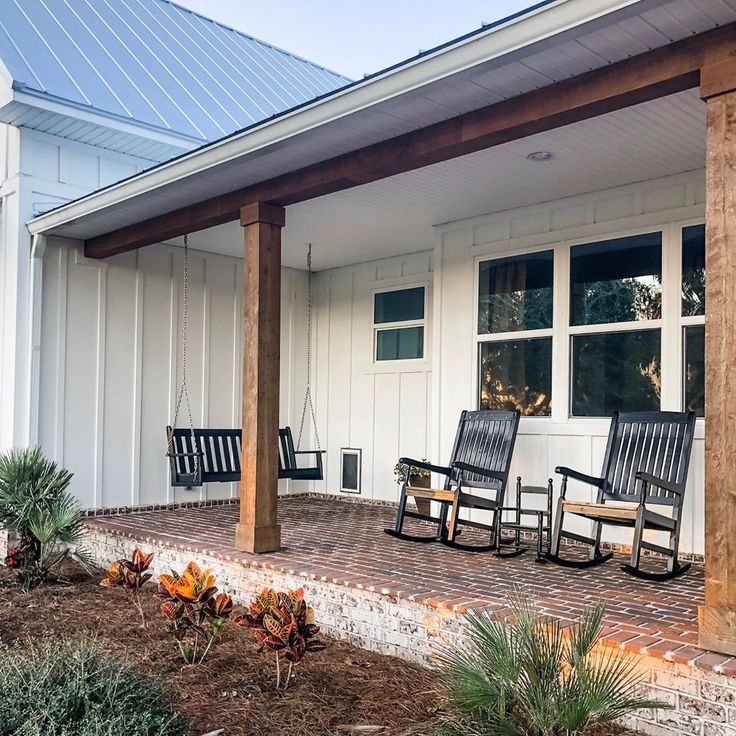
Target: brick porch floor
x=343 y=543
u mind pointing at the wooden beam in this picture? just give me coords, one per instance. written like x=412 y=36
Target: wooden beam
x=717 y=617
x=663 y=71
x=258 y=529
x=718 y=78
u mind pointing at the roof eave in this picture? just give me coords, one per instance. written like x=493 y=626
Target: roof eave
x=540 y=23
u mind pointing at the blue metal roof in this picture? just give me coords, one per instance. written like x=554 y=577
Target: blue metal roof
x=154 y=63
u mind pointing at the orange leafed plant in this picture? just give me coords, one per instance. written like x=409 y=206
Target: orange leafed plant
x=130 y=575
x=195 y=610
x=282 y=623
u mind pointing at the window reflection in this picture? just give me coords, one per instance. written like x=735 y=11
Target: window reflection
x=616 y=371
x=517 y=375
x=616 y=280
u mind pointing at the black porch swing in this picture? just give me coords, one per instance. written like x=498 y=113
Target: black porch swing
x=198 y=456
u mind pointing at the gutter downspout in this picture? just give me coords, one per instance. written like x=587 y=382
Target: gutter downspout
x=38 y=249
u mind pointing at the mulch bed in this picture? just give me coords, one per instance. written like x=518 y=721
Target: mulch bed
x=341 y=691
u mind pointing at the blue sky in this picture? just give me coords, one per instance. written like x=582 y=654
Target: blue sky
x=356 y=36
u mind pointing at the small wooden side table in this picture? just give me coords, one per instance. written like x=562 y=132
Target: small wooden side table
x=543 y=525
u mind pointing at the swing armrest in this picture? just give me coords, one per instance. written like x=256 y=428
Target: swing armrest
x=184 y=454
x=310 y=452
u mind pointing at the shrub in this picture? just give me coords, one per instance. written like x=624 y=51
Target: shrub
x=283 y=624
x=59 y=688
x=196 y=611
x=36 y=505
x=529 y=675
x=130 y=575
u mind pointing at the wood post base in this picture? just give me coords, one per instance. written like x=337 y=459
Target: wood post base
x=258 y=539
x=717 y=629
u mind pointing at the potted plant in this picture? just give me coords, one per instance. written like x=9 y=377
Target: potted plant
x=417 y=478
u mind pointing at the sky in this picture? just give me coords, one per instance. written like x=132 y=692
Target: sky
x=355 y=37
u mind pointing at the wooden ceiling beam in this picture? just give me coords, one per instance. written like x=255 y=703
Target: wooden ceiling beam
x=657 y=73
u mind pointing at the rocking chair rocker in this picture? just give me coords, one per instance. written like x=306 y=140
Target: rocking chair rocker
x=645 y=465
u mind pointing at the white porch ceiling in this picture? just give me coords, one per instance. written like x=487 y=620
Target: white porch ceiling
x=396 y=215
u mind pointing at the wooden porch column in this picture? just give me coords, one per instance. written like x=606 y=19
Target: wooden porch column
x=258 y=530
x=717 y=617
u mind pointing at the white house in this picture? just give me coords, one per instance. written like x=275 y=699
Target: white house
x=563 y=147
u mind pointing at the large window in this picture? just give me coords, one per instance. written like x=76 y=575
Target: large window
x=615 y=324
x=398 y=324
x=515 y=333
x=693 y=317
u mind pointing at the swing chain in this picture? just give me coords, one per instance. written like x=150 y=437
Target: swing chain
x=308 y=405
x=184 y=391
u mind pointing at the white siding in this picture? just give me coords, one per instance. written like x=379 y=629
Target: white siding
x=111 y=346
x=381 y=408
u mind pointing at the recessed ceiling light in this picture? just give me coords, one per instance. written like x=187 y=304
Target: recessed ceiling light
x=539 y=156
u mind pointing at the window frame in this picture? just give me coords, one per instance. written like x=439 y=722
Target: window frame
x=539 y=333
x=640 y=325
x=671 y=323
x=377 y=327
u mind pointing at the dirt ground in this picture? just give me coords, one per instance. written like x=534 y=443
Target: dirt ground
x=336 y=692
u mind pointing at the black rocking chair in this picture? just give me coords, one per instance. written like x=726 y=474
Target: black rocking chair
x=645 y=464
x=480 y=461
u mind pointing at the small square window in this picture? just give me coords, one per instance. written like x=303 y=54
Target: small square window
x=616 y=280
x=404 y=343
x=616 y=371
x=398 y=320
x=401 y=305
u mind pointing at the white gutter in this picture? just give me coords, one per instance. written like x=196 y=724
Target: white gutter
x=499 y=41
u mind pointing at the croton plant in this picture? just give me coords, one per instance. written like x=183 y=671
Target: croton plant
x=195 y=609
x=283 y=624
x=130 y=575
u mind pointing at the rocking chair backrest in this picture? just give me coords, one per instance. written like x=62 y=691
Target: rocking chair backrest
x=656 y=442
x=486 y=439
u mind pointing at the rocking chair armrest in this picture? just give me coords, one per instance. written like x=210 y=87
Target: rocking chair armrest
x=485 y=472
x=577 y=475
x=424 y=465
x=653 y=480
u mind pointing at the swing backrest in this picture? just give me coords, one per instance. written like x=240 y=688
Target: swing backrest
x=218 y=451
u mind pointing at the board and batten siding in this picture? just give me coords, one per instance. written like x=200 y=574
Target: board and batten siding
x=381 y=408
x=112 y=362
x=544 y=443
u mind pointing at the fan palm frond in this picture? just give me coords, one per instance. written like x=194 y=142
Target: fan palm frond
x=528 y=675
x=36 y=505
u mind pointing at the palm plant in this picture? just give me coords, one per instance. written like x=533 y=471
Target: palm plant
x=37 y=508
x=530 y=676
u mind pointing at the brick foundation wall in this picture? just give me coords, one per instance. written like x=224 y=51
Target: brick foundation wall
x=704 y=702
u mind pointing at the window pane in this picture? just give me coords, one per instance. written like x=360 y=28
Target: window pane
x=616 y=280
x=693 y=271
x=517 y=374
x=399 y=306
x=615 y=371
x=695 y=369
x=401 y=344
x=515 y=293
